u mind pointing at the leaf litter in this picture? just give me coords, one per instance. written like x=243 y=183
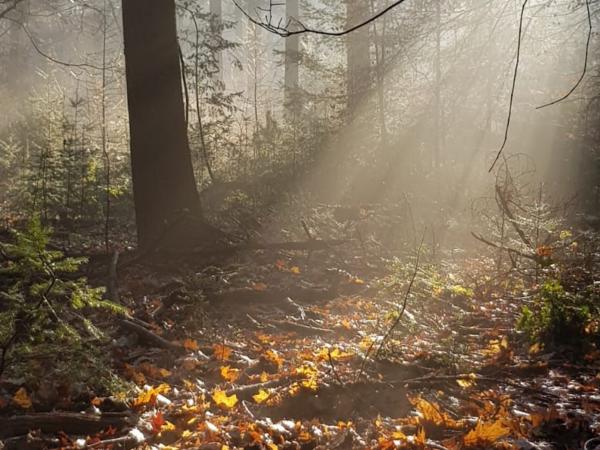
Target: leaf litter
x=276 y=353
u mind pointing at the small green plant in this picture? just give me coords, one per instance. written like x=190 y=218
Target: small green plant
x=560 y=317
x=45 y=329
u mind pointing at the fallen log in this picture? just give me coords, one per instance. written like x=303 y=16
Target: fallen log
x=275 y=294
x=149 y=337
x=229 y=250
x=68 y=422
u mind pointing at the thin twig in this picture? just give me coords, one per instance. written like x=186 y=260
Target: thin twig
x=333 y=370
x=585 y=63
x=514 y=84
x=400 y=314
x=284 y=31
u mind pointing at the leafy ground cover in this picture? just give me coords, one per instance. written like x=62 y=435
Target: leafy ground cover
x=332 y=349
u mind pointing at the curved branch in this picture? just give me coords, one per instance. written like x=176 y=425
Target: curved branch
x=514 y=84
x=585 y=63
x=284 y=31
x=9 y=8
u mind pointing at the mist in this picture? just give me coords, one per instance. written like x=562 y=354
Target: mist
x=236 y=220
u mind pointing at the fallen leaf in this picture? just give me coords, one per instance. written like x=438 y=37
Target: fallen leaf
x=467 y=381
x=190 y=344
x=157 y=422
x=224 y=401
x=230 y=374
x=149 y=396
x=273 y=356
x=22 y=399
x=259 y=286
x=486 y=433
x=262 y=396
x=221 y=352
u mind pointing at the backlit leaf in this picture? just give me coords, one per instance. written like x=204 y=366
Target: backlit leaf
x=221 y=352
x=262 y=396
x=486 y=433
x=190 y=344
x=224 y=401
x=22 y=399
x=230 y=374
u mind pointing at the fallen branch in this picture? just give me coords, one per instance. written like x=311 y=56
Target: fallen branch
x=506 y=249
x=299 y=327
x=149 y=336
x=68 y=422
x=400 y=314
x=245 y=392
x=244 y=296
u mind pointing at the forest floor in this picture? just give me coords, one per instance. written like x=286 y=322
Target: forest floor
x=327 y=350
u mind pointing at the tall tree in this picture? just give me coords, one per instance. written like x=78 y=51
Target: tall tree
x=216 y=25
x=292 y=57
x=163 y=178
x=358 y=54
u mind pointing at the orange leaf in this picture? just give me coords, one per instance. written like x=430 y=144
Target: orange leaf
x=22 y=399
x=486 y=433
x=221 y=352
x=230 y=374
x=273 y=356
x=190 y=344
x=259 y=286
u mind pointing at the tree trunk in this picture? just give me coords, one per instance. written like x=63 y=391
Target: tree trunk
x=359 y=59
x=292 y=56
x=163 y=178
x=216 y=20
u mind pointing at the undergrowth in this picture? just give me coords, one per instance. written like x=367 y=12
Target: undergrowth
x=46 y=326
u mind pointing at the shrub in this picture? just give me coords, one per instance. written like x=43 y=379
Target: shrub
x=558 y=317
x=45 y=325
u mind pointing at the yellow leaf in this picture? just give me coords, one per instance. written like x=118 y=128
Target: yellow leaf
x=399 y=435
x=262 y=396
x=295 y=270
x=358 y=281
x=149 y=396
x=22 y=399
x=467 y=381
x=167 y=426
x=310 y=384
x=190 y=344
x=486 y=433
x=223 y=400
x=271 y=355
x=230 y=374
x=535 y=348
x=272 y=446
x=366 y=343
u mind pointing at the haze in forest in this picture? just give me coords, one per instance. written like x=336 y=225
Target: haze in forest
x=410 y=109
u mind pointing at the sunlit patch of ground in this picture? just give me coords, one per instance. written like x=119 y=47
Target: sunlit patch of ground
x=288 y=353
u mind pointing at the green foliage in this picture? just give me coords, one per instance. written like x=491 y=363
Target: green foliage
x=45 y=328
x=559 y=317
